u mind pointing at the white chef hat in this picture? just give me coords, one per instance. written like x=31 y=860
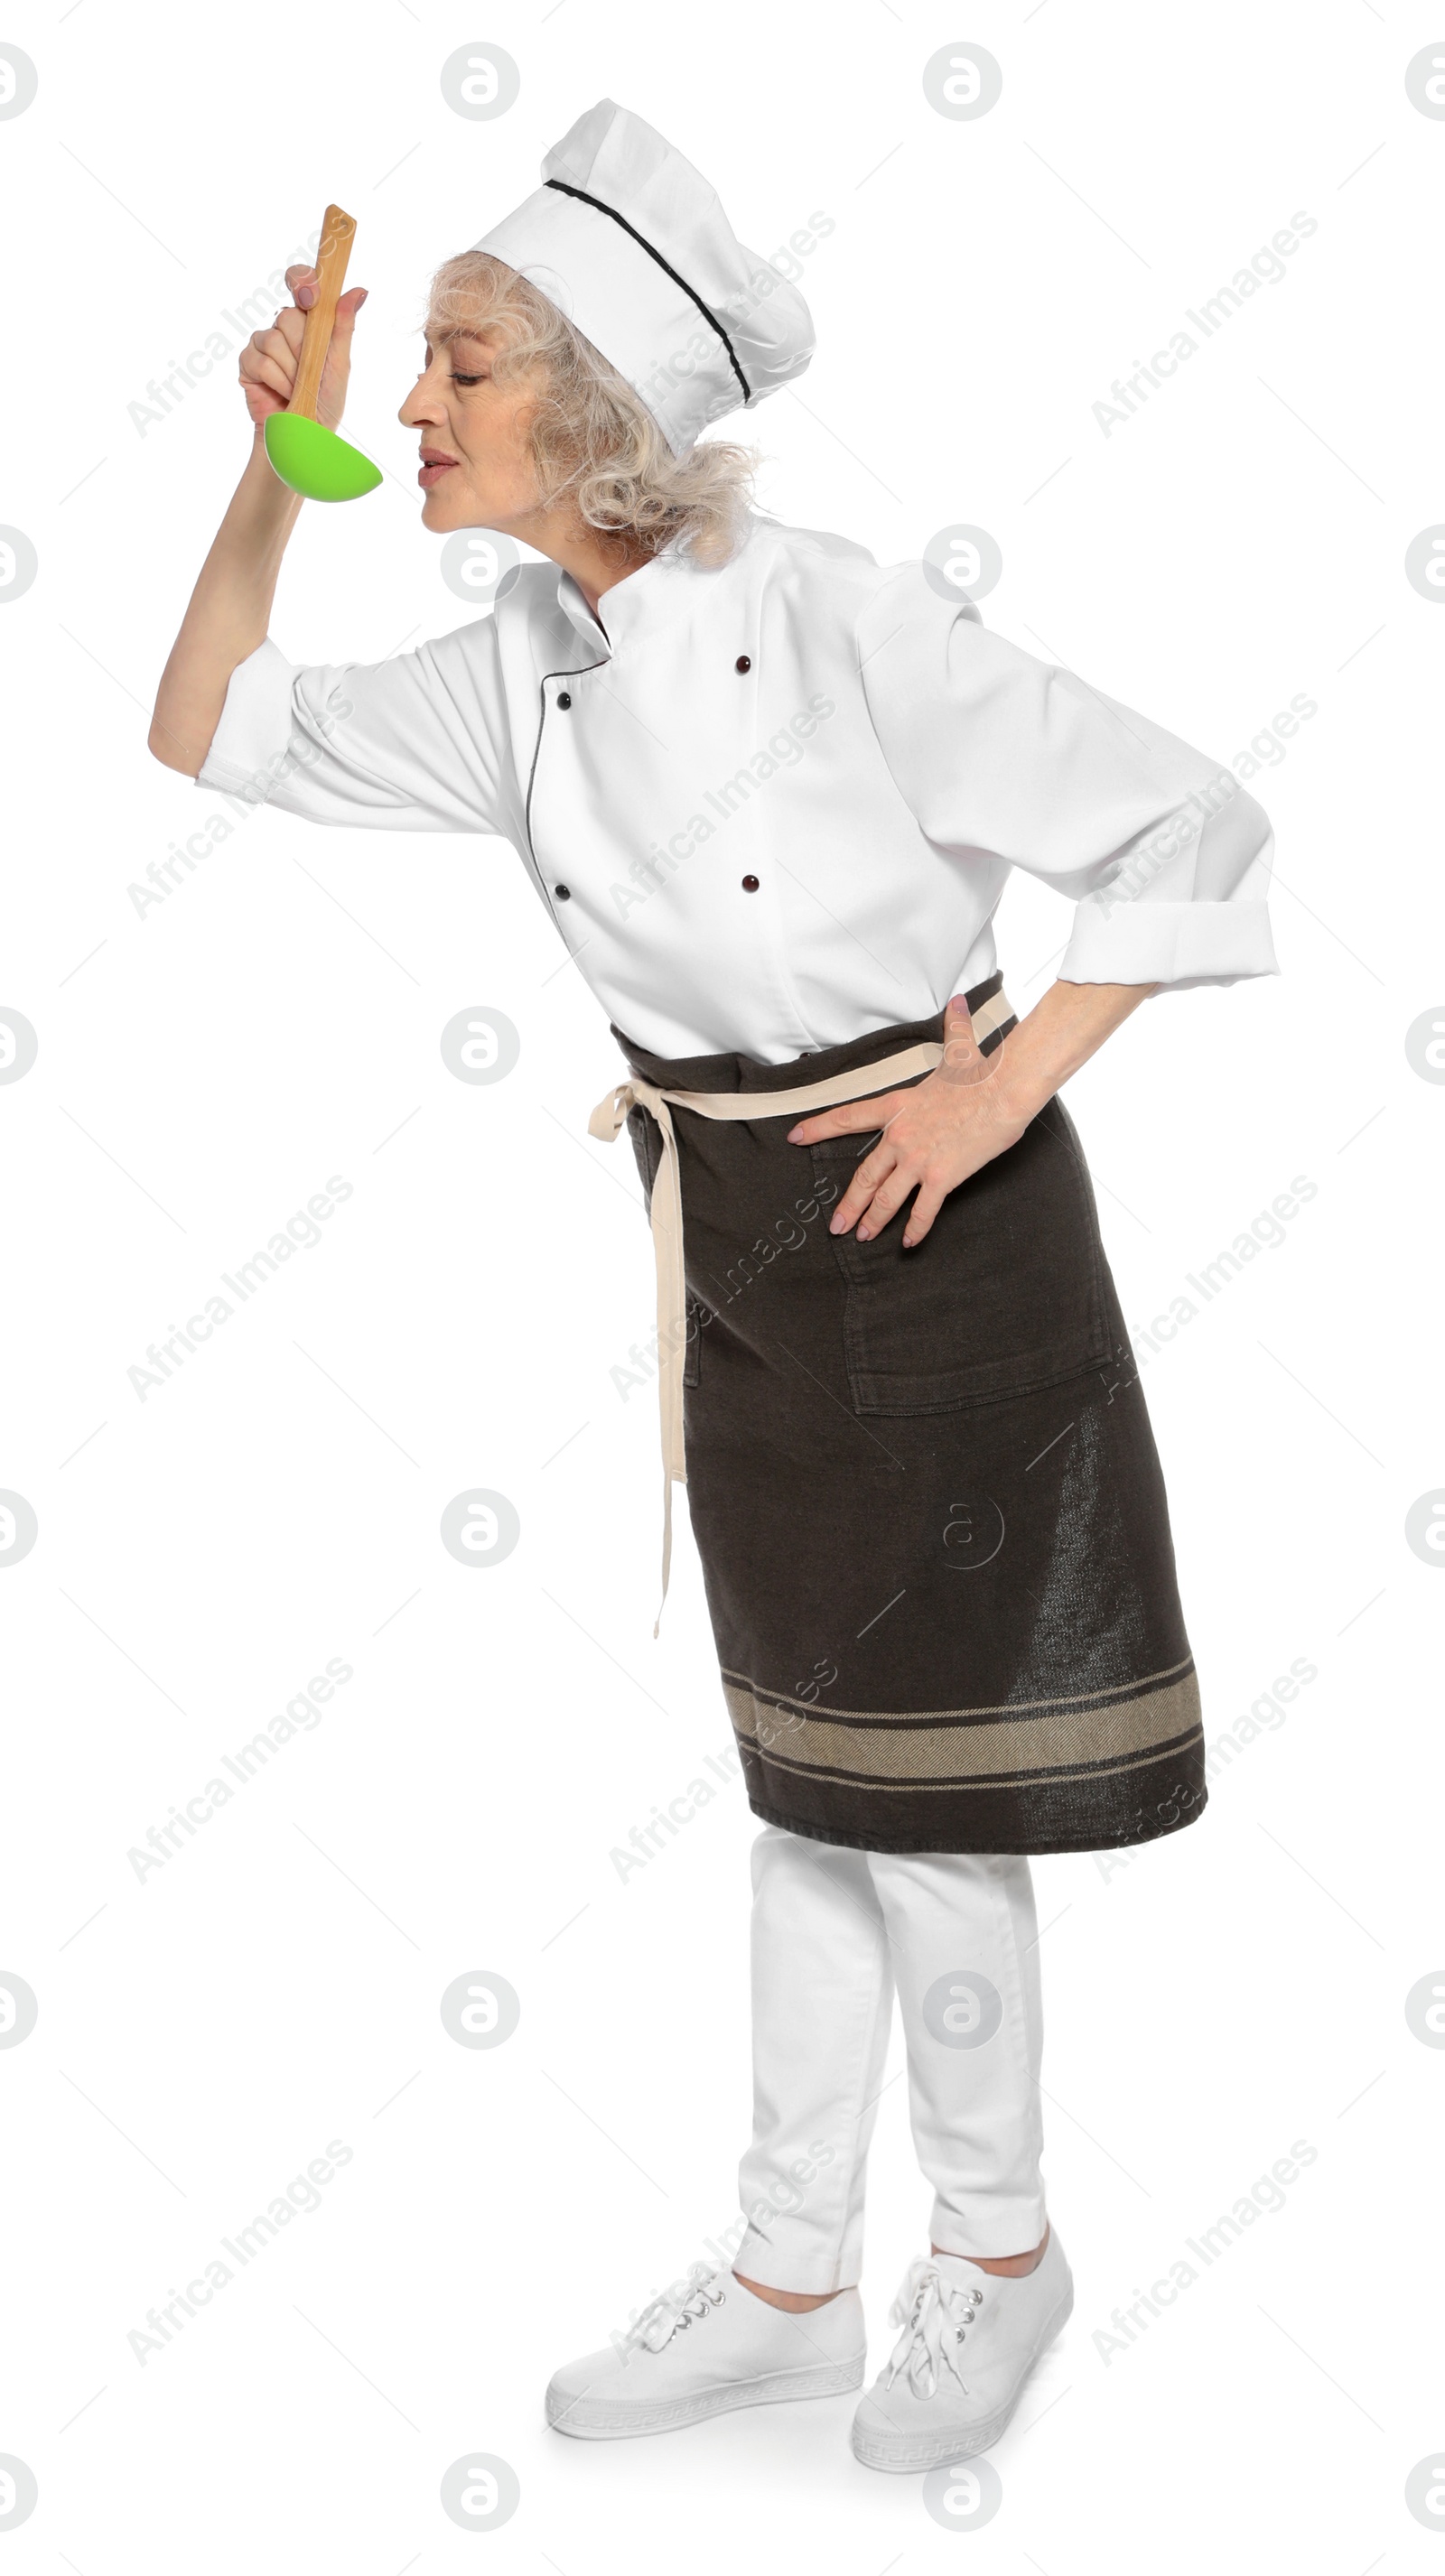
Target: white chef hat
x=630 y=242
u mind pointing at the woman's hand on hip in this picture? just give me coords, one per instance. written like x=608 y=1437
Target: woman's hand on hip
x=935 y=1135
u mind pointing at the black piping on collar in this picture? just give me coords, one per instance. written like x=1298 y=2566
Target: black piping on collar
x=710 y=318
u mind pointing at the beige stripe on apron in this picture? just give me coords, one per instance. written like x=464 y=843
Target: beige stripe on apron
x=607 y=1121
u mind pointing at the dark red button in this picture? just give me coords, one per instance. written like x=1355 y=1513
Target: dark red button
x=563 y=893
x=750 y=885
x=564 y=702
x=743 y=663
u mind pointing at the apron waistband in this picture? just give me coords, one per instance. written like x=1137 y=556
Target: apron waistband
x=607 y=1121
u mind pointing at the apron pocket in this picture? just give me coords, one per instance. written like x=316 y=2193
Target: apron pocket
x=1004 y=1294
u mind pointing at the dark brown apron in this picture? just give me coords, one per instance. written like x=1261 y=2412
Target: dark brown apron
x=924 y=1489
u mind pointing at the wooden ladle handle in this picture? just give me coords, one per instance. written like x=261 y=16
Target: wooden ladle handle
x=338 y=232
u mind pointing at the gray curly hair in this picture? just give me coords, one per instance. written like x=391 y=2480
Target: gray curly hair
x=592 y=438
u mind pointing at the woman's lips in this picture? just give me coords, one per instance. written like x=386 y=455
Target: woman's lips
x=432 y=470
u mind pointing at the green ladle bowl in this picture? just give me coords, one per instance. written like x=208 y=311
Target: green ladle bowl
x=315 y=461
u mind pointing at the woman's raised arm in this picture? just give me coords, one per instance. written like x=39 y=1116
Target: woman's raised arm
x=230 y=607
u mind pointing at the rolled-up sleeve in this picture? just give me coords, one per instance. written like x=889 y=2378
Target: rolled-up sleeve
x=415 y=744
x=1004 y=758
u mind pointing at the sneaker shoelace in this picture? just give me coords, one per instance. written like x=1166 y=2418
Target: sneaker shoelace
x=674 y=2310
x=934 y=2314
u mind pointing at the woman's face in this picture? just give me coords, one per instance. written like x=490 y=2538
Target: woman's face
x=476 y=463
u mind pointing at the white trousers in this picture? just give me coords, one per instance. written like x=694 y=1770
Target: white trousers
x=835 y=1935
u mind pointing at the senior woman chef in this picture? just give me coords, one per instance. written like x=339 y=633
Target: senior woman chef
x=770 y=793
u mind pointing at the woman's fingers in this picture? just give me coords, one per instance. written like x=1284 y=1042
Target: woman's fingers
x=881 y=1195
x=922 y=1213
x=269 y=359
x=347 y=308
x=289 y=326
x=963 y=1057
x=337 y=369
x=275 y=347
x=887 y=1199
x=268 y=364
x=872 y=1172
x=259 y=369
x=878 y=1190
x=266 y=380
x=850 y=1118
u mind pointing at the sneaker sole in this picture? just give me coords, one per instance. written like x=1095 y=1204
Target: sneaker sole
x=594 y=2420
x=913 y=2451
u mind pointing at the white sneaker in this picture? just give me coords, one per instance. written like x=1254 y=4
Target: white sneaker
x=969 y=2340
x=707 y=2346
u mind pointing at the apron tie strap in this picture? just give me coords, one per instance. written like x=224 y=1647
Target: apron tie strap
x=607 y=1122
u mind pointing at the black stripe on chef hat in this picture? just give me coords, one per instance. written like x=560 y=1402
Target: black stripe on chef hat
x=565 y=189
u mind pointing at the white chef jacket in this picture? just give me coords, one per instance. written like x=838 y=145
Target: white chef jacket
x=772 y=807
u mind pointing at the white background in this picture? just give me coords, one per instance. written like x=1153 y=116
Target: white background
x=205 y=1067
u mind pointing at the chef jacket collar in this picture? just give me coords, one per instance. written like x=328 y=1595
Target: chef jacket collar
x=574 y=607
x=630 y=603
